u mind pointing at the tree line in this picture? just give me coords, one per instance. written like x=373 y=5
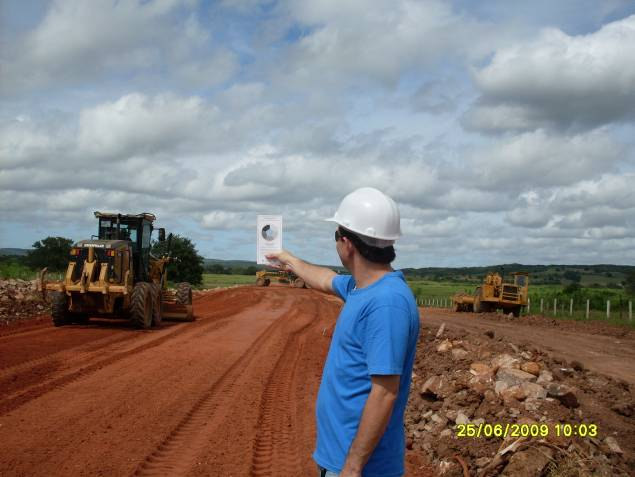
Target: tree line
x=54 y=254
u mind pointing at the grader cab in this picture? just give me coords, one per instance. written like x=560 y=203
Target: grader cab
x=114 y=275
x=495 y=294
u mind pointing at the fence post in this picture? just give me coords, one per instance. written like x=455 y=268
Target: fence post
x=587 y=310
x=630 y=310
x=608 y=309
x=571 y=307
x=528 y=306
x=555 y=307
x=542 y=300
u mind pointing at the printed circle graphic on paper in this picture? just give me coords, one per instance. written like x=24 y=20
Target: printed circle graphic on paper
x=269 y=232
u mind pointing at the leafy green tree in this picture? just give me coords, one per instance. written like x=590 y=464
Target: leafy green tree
x=251 y=270
x=51 y=252
x=572 y=288
x=217 y=268
x=187 y=265
x=572 y=275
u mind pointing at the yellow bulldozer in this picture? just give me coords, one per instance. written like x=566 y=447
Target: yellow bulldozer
x=114 y=275
x=494 y=294
x=264 y=278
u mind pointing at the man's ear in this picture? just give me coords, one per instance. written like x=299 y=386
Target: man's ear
x=350 y=248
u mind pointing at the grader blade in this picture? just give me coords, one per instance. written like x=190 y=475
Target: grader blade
x=173 y=310
x=177 y=312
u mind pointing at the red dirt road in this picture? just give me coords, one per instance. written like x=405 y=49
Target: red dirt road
x=231 y=394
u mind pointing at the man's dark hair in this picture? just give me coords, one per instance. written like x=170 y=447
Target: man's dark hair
x=370 y=253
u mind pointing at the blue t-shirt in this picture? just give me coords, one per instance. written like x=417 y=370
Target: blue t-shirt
x=376 y=334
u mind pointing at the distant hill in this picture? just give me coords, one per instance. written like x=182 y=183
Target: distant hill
x=611 y=276
x=230 y=263
x=14 y=251
x=240 y=266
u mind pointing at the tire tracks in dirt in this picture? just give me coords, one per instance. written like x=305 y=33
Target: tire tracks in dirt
x=79 y=364
x=174 y=456
x=277 y=426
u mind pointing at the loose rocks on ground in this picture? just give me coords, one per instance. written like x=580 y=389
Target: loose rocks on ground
x=489 y=382
x=19 y=300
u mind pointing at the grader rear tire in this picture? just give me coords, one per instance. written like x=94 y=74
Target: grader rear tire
x=59 y=309
x=184 y=294
x=141 y=307
x=299 y=283
x=260 y=282
x=267 y=282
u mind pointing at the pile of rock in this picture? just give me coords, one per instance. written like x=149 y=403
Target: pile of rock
x=19 y=299
x=461 y=380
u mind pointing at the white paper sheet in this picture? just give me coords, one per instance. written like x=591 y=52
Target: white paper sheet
x=269 y=237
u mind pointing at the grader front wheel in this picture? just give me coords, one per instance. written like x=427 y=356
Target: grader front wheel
x=59 y=309
x=142 y=305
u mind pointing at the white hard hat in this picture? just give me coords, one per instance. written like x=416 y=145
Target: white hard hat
x=371 y=214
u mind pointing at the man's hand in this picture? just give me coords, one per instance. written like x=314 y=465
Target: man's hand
x=319 y=278
x=283 y=258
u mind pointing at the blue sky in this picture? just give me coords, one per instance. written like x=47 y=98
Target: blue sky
x=503 y=129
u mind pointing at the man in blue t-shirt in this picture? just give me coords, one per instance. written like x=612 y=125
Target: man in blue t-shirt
x=366 y=378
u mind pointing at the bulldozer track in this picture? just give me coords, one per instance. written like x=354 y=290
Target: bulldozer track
x=277 y=420
x=41 y=326
x=72 y=354
x=175 y=454
x=11 y=403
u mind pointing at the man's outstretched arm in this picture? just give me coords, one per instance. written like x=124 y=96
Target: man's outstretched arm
x=316 y=277
x=375 y=418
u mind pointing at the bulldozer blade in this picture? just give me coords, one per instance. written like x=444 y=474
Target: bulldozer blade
x=177 y=312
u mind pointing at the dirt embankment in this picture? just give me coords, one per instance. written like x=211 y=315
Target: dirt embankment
x=20 y=300
x=477 y=374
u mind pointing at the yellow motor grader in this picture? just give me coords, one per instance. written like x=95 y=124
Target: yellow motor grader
x=264 y=277
x=114 y=275
x=494 y=294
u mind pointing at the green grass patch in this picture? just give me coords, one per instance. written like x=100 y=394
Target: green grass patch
x=11 y=269
x=217 y=280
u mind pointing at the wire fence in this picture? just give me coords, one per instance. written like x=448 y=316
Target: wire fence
x=617 y=310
